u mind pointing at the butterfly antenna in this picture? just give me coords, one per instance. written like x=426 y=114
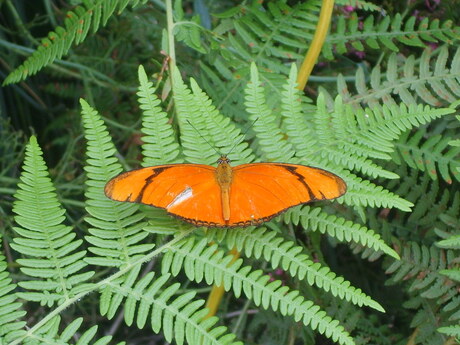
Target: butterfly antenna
x=207 y=142
x=244 y=134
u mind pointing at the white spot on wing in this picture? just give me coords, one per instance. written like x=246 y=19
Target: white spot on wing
x=187 y=193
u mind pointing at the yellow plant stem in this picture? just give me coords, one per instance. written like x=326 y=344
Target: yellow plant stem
x=316 y=43
x=217 y=292
x=411 y=340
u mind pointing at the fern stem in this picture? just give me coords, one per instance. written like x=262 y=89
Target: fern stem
x=100 y=285
x=170 y=26
x=242 y=315
x=316 y=43
x=217 y=292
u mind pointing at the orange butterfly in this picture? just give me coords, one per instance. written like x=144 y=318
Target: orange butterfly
x=203 y=195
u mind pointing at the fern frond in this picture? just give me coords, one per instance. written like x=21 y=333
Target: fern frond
x=365 y=193
x=11 y=326
x=416 y=259
x=452 y=242
x=269 y=137
x=180 y=318
x=453 y=274
x=313 y=219
x=408 y=80
x=376 y=128
x=222 y=129
x=56 y=266
x=188 y=31
x=383 y=34
x=89 y=16
x=335 y=144
x=434 y=205
x=351 y=161
x=423 y=268
x=360 y=4
x=427 y=156
x=456 y=142
x=49 y=334
x=428 y=205
x=261 y=242
x=195 y=148
x=160 y=146
x=225 y=89
x=251 y=42
x=116 y=228
x=195 y=106
x=201 y=261
x=453 y=331
x=426 y=321
x=295 y=115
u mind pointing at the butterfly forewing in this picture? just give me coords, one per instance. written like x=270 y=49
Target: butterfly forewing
x=187 y=191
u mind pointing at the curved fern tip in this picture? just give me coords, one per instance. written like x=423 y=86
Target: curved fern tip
x=293 y=72
x=83 y=102
x=33 y=140
x=254 y=71
x=408 y=208
x=377 y=307
x=393 y=254
x=141 y=71
x=194 y=85
x=320 y=100
x=455 y=104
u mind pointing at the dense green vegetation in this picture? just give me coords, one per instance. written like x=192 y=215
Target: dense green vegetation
x=95 y=87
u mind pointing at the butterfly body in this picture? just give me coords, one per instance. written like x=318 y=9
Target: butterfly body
x=225 y=196
x=224 y=175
